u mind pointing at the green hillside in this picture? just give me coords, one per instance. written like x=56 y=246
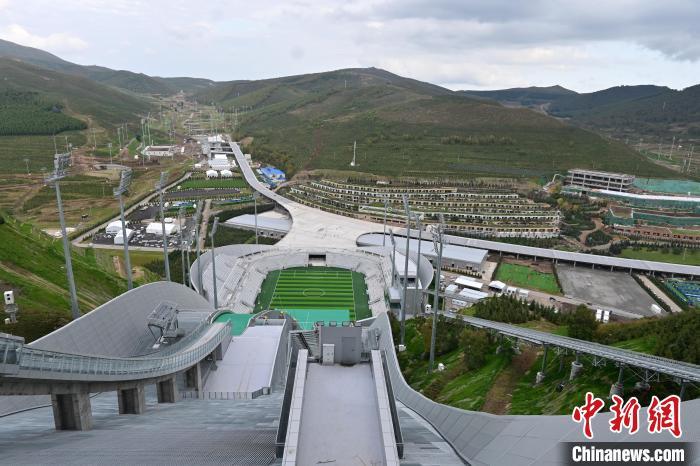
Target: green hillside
x=29 y=113
x=32 y=264
x=77 y=95
x=405 y=127
x=123 y=79
x=526 y=96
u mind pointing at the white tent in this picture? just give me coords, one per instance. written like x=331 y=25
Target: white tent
x=212 y=174
x=156 y=228
x=115 y=227
x=119 y=239
x=226 y=173
x=497 y=286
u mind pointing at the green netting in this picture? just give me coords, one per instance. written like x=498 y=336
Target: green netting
x=239 y=322
x=307 y=317
x=668 y=186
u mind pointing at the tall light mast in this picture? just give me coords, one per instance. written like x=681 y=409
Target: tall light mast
x=124 y=183
x=160 y=187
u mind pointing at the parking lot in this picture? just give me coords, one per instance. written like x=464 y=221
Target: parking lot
x=143 y=239
x=614 y=290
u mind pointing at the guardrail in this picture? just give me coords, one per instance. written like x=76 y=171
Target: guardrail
x=47 y=364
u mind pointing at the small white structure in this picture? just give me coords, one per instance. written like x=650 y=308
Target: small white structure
x=511 y=291
x=169 y=220
x=655 y=308
x=226 y=174
x=212 y=174
x=197 y=165
x=115 y=227
x=606 y=316
x=453 y=289
x=159 y=151
x=497 y=286
x=598 y=315
x=156 y=228
x=523 y=294
x=472 y=296
x=119 y=239
x=466 y=282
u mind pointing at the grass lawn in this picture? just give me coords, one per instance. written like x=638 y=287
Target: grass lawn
x=687 y=257
x=544 y=326
x=524 y=276
x=214 y=183
x=315 y=289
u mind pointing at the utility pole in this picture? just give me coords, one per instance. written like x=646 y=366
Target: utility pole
x=437 y=233
x=405 y=274
x=160 y=187
x=109 y=145
x=119 y=137
x=213 y=260
x=26 y=161
x=124 y=183
x=61 y=162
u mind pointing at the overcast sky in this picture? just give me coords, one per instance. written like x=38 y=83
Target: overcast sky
x=584 y=45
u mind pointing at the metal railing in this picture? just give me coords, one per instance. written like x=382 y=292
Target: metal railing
x=398 y=436
x=47 y=364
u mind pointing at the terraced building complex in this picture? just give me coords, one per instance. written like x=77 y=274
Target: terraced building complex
x=477 y=211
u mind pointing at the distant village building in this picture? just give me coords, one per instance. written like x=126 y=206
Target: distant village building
x=592 y=179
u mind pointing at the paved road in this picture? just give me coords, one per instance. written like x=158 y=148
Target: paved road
x=310 y=226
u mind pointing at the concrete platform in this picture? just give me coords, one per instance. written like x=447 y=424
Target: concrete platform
x=616 y=290
x=248 y=363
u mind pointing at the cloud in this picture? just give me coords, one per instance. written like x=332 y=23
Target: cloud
x=56 y=42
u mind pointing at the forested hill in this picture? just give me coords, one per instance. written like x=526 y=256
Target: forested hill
x=70 y=94
x=405 y=127
x=30 y=113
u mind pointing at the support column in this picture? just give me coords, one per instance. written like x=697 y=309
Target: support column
x=167 y=390
x=72 y=411
x=618 y=388
x=193 y=378
x=683 y=387
x=576 y=367
x=540 y=375
x=132 y=400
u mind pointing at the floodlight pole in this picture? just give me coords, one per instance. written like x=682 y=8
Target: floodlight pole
x=161 y=187
x=386 y=206
x=119 y=192
x=60 y=163
x=416 y=294
x=405 y=275
x=255 y=204
x=393 y=257
x=213 y=261
x=180 y=216
x=437 y=238
x=199 y=249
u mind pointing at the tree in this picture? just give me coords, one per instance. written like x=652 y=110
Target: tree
x=475 y=344
x=582 y=323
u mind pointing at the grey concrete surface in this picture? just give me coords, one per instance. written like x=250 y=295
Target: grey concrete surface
x=339 y=420
x=248 y=362
x=617 y=290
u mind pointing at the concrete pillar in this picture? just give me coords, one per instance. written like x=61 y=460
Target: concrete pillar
x=167 y=390
x=683 y=387
x=193 y=378
x=539 y=378
x=72 y=411
x=576 y=368
x=618 y=388
x=132 y=400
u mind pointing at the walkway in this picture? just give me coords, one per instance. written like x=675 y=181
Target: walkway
x=659 y=294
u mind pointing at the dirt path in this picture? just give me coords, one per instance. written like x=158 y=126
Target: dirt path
x=498 y=397
x=584 y=234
